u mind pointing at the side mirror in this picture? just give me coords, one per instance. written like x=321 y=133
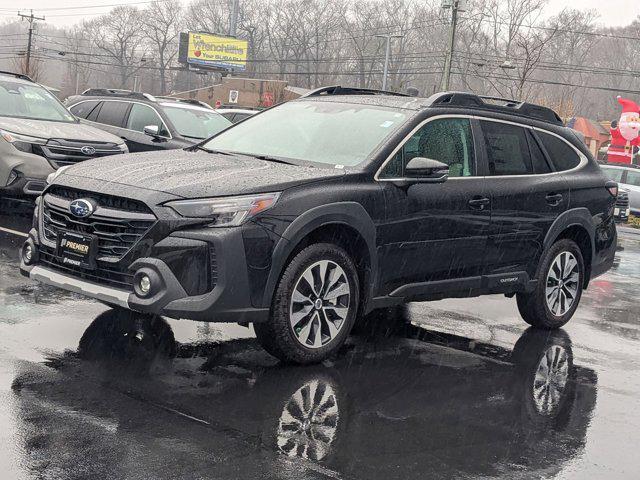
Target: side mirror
x=425 y=170
x=151 y=130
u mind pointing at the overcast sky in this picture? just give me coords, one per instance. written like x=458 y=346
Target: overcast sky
x=611 y=12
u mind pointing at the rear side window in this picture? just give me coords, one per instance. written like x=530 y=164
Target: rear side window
x=113 y=113
x=83 y=109
x=538 y=159
x=562 y=155
x=507 y=149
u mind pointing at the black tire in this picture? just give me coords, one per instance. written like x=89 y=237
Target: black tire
x=277 y=336
x=533 y=306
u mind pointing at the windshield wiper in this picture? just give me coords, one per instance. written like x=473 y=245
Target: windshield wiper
x=208 y=150
x=269 y=159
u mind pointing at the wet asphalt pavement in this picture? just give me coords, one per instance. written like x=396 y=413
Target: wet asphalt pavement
x=449 y=389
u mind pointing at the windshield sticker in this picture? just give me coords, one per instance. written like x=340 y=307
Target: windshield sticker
x=386 y=124
x=32 y=96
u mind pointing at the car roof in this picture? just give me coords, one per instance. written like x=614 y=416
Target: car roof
x=16 y=77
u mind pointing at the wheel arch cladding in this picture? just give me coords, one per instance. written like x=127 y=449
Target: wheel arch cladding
x=577 y=225
x=346 y=224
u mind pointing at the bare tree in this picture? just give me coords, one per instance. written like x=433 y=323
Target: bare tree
x=118 y=37
x=161 y=24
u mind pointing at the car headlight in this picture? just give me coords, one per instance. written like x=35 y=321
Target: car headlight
x=22 y=142
x=52 y=176
x=225 y=211
x=123 y=148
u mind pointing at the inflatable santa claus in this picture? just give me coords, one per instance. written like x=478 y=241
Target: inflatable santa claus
x=625 y=133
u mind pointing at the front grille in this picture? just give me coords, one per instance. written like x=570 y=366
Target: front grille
x=106 y=273
x=117 y=230
x=623 y=200
x=105 y=201
x=68 y=152
x=213 y=268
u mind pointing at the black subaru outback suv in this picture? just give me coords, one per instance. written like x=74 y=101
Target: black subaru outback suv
x=311 y=214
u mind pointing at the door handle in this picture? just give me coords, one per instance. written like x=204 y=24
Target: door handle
x=479 y=203
x=554 y=199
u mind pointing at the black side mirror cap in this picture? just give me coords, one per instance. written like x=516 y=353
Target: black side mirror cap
x=424 y=170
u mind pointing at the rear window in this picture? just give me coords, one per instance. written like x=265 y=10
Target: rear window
x=562 y=155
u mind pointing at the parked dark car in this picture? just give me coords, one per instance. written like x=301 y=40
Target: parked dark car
x=146 y=122
x=38 y=135
x=312 y=213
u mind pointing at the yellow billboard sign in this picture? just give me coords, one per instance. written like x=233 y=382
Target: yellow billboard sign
x=215 y=51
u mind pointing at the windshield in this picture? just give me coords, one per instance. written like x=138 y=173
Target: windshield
x=321 y=132
x=20 y=100
x=195 y=122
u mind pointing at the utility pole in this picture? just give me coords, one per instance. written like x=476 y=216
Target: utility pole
x=455 y=6
x=387 y=56
x=233 y=25
x=30 y=18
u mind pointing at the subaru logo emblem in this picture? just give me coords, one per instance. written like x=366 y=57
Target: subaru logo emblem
x=81 y=208
x=87 y=150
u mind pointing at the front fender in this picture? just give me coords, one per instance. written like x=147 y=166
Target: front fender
x=350 y=214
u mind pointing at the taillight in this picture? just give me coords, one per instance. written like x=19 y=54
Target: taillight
x=612 y=188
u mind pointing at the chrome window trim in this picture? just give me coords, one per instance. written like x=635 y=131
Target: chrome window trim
x=583 y=159
x=124 y=128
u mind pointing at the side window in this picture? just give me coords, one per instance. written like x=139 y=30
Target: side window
x=83 y=109
x=448 y=140
x=113 y=113
x=142 y=116
x=562 y=155
x=538 y=159
x=614 y=174
x=633 y=178
x=507 y=149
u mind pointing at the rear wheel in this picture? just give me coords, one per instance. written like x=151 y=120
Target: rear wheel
x=314 y=306
x=559 y=288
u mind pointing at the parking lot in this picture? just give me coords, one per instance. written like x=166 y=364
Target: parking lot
x=437 y=390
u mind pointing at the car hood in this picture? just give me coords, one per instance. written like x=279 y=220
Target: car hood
x=196 y=174
x=67 y=131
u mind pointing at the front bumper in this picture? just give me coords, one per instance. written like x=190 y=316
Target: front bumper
x=228 y=301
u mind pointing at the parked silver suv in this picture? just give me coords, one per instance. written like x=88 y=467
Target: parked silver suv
x=38 y=135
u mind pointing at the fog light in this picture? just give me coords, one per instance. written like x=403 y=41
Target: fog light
x=13 y=176
x=144 y=284
x=28 y=253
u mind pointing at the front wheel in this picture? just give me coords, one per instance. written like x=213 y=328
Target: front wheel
x=559 y=288
x=314 y=306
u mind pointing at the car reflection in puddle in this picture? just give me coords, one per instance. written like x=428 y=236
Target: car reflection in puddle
x=399 y=401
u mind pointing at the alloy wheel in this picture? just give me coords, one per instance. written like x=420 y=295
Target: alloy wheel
x=550 y=380
x=319 y=304
x=562 y=283
x=309 y=421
